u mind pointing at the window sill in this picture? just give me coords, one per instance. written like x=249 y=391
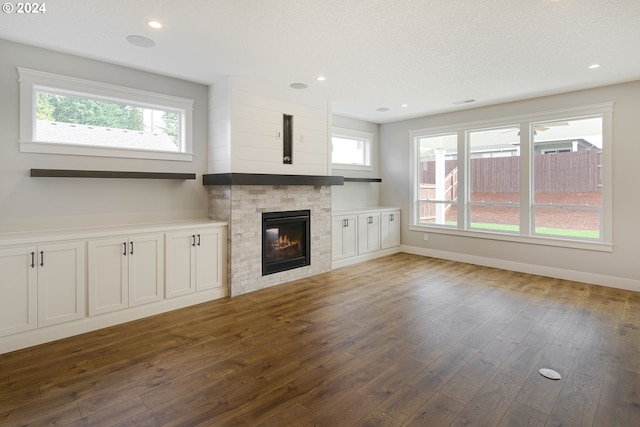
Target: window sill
x=84 y=150
x=342 y=166
x=533 y=240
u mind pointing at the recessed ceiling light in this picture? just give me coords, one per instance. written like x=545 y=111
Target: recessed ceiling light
x=383 y=109
x=298 y=86
x=140 y=41
x=154 y=24
x=593 y=66
x=404 y=105
x=321 y=78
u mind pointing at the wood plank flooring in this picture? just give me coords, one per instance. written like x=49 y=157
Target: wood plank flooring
x=399 y=341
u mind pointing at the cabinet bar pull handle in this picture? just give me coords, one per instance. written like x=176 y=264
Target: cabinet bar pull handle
x=391 y=217
x=198 y=240
x=131 y=243
x=125 y=249
x=41 y=258
x=33 y=259
x=193 y=236
x=370 y=220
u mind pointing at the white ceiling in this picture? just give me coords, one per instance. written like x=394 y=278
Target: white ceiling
x=428 y=54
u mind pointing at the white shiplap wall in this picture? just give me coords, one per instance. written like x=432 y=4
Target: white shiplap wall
x=219 y=157
x=246 y=130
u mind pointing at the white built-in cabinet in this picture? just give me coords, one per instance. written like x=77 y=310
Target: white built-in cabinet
x=41 y=285
x=19 y=284
x=362 y=234
x=344 y=236
x=60 y=283
x=389 y=229
x=193 y=261
x=368 y=232
x=125 y=271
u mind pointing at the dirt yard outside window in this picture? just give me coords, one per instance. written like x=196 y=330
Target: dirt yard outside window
x=558 y=218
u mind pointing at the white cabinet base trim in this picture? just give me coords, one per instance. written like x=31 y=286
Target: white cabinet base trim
x=364 y=257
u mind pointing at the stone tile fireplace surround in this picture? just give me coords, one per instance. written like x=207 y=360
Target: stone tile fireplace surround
x=242 y=207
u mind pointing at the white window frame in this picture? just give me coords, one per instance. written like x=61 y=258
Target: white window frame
x=526 y=234
x=32 y=81
x=367 y=137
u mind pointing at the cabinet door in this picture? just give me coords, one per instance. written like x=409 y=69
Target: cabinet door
x=344 y=236
x=108 y=275
x=61 y=282
x=208 y=256
x=390 y=229
x=180 y=263
x=368 y=232
x=146 y=269
x=337 y=224
x=18 y=288
x=350 y=236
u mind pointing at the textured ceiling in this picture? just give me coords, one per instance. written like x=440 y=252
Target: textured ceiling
x=428 y=54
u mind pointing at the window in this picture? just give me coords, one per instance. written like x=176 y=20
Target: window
x=567 y=190
x=65 y=115
x=539 y=179
x=351 y=149
x=438 y=180
x=494 y=179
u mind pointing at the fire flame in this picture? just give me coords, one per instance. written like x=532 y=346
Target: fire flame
x=285 y=242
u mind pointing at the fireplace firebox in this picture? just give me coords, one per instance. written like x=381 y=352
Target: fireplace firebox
x=286 y=241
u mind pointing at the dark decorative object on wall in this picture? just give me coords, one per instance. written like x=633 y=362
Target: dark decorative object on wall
x=287 y=139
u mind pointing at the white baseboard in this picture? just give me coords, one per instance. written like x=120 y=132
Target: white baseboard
x=558 y=273
x=64 y=330
x=364 y=257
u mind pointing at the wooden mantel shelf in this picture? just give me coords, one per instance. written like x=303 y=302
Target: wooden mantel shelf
x=362 y=179
x=269 y=179
x=69 y=173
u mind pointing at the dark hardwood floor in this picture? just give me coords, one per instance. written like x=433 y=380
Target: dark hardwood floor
x=402 y=340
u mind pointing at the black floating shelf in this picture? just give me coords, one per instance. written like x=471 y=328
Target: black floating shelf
x=269 y=179
x=362 y=179
x=68 y=173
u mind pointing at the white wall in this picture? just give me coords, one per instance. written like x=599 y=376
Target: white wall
x=617 y=269
x=46 y=203
x=357 y=194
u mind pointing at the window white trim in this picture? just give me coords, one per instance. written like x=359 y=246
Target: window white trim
x=526 y=235
x=354 y=134
x=33 y=80
x=544 y=116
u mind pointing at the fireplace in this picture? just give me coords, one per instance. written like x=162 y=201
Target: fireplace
x=286 y=241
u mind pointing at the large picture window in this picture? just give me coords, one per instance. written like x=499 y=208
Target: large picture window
x=65 y=115
x=539 y=179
